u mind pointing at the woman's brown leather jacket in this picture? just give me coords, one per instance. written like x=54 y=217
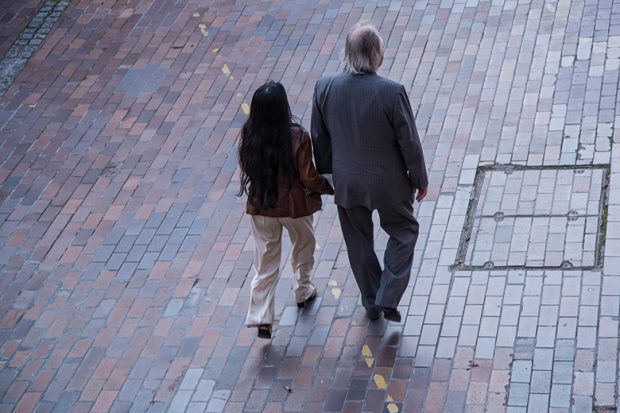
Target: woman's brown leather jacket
x=303 y=198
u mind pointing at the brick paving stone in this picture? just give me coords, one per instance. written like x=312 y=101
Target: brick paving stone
x=124 y=271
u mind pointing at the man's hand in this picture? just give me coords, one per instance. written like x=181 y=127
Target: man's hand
x=421 y=193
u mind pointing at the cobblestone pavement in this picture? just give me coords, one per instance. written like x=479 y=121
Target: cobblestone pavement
x=14 y=17
x=28 y=39
x=125 y=252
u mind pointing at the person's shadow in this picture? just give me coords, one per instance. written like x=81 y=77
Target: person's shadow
x=370 y=361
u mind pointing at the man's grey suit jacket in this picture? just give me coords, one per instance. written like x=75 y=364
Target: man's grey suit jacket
x=364 y=134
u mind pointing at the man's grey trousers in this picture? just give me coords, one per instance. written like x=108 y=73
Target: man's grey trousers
x=380 y=287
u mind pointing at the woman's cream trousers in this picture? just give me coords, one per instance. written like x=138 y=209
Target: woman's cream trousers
x=267 y=252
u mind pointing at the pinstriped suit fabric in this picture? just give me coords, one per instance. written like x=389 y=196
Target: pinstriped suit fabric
x=364 y=133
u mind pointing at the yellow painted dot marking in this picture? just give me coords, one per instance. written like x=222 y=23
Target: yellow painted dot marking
x=368 y=356
x=203 y=29
x=366 y=351
x=215 y=50
x=336 y=292
x=196 y=14
x=392 y=408
x=226 y=70
x=245 y=108
x=380 y=382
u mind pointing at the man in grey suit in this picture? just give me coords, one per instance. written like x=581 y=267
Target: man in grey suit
x=364 y=134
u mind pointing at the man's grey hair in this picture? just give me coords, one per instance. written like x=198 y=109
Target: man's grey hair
x=363 y=49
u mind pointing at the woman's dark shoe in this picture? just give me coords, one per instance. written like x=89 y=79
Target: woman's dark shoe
x=391 y=314
x=264 y=331
x=307 y=300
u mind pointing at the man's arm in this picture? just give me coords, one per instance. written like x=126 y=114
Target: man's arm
x=321 y=141
x=409 y=142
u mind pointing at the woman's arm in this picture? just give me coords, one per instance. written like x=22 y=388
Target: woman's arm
x=308 y=174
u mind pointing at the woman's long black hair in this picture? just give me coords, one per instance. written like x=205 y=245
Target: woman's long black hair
x=265 y=148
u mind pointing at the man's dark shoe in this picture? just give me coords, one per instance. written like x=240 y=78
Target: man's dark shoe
x=391 y=314
x=373 y=314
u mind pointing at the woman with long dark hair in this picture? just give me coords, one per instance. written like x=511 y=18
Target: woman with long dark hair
x=283 y=189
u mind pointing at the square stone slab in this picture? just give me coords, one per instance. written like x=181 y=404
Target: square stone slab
x=148 y=79
x=535 y=217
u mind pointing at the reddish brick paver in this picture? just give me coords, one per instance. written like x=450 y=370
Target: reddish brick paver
x=125 y=252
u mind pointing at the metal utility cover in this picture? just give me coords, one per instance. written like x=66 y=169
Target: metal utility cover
x=535 y=218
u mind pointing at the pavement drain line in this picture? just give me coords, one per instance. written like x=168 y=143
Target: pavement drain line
x=29 y=41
